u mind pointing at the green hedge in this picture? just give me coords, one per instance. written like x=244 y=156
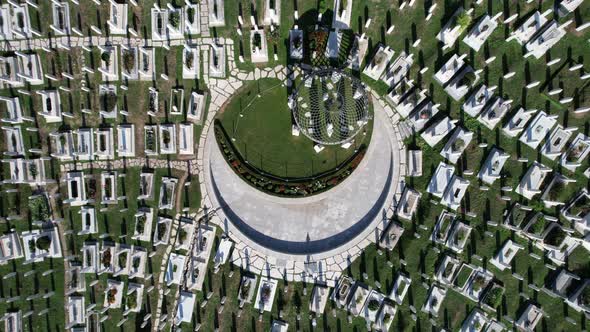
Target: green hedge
x=292 y=187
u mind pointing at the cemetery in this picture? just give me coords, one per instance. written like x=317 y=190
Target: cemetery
x=321 y=165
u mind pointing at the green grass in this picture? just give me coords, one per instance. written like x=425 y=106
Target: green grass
x=263 y=133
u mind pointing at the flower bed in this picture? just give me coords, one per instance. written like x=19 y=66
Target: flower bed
x=39 y=208
x=292 y=187
x=494 y=297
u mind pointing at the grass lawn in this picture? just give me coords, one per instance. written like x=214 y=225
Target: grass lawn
x=263 y=133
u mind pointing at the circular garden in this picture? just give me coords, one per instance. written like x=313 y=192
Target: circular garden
x=254 y=131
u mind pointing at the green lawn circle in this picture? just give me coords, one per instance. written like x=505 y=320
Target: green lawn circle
x=259 y=121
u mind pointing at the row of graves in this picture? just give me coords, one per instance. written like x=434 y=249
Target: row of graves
x=169 y=22
x=188 y=265
x=91 y=193
x=460 y=80
x=536 y=129
x=42 y=241
x=173 y=22
x=333 y=42
x=88 y=143
x=96 y=193
x=479 y=284
x=128 y=282
x=358 y=299
x=125 y=265
x=85 y=144
x=259 y=36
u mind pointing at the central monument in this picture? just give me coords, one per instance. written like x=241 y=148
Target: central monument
x=329 y=106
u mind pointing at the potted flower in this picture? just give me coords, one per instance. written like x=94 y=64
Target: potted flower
x=245 y=290
x=107 y=188
x=128 y=60
x=132 y=300
x=122 y=260
x=297 y=41
x=150 y=139
x=581 y=207
x=575 y=153
x=43 y=243
x=555 y=190
x=166 y=137
x=265 y=293
x=106 y=57
x=538 y=225
x=190 y=12
x=161 y=231
x=32 y=246
x=174 y=19
x=140 y=224
x=463 y=21
x=373 y=305
x=62 y=142
x=135 y=263
x=106 y=258
x=460 y=237
x=434 y=302
x=478 y=283
x=555 y=237
x=182 y=235
x=457 y=145
x=257 y=41
x=88 y=220
x=448 y=270
x=33 y=170
x=111 y=295
x=189 y=59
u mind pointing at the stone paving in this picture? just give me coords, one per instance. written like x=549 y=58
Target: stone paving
x=181 y=165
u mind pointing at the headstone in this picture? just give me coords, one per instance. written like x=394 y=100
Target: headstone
x=535 y=256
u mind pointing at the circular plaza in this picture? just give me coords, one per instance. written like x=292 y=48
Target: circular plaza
x=327 y=229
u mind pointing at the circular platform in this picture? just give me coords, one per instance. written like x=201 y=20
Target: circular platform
x=323 y=225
